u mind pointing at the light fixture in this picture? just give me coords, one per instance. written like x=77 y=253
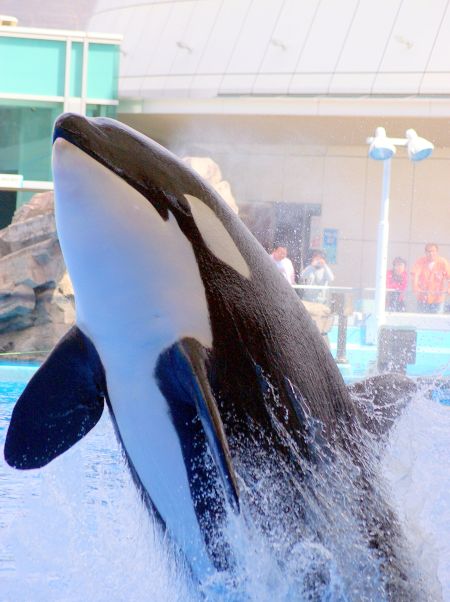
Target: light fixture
x=418 y=148
x=381 y=147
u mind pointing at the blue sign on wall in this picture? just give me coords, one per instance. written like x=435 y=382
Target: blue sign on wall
x=330 y=239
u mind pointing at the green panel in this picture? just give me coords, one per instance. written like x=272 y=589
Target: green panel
x=103 y=71
x=26 y=138
x=23 y=198
x=76 y=69
x=32 y=66
x=101 y=111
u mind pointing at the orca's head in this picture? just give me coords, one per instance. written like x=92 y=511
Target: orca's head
x=145 y=165
x=126 y=209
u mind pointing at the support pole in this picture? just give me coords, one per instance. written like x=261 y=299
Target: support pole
x=382 y=248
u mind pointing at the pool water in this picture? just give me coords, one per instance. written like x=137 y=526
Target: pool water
x=76 y=529
x=432 y=354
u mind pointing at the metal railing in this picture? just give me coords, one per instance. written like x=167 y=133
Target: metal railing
x=355 y=306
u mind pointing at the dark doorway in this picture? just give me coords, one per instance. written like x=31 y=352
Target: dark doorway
x=288 y=224
x=8 y=199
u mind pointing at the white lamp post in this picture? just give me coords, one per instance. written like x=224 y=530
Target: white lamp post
x=383 y=149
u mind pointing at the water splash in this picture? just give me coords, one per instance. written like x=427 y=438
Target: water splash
x=80 y=531
x=416 y=464
x=77 y=529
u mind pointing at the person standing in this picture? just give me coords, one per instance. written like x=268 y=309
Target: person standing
x=431 y=275
x=318 y=273
x=397 y=282
x=283 y=263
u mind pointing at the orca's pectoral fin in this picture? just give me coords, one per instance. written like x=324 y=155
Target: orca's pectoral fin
x=185 y=362
x=211 y=420
x=60 y=404
x=381 y=399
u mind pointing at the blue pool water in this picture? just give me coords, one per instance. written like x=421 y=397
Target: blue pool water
x=432 y=354
x=76 y=530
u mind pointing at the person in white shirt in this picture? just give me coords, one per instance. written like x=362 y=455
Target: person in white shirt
x=283 y=263
x=317 y=274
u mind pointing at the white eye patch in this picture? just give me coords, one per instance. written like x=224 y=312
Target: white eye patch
x=216 y=236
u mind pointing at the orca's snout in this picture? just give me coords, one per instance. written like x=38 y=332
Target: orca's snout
x=77 y=129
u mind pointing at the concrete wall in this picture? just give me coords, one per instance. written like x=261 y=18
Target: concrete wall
x=348 y=186
x=341 y=178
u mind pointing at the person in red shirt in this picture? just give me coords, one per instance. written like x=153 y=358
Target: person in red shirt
x=431 y=276
x=396 y=283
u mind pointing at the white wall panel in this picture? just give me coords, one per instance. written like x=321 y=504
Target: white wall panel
x=310 y=83
x=272 y=83
x=430 y=214
x=108 y=5
x=105 y=23
x=327 y=36
x=195 y=36
x=171 y=35
x=223 y=37
x=397 y=83
x=303 y=179
x=142 y=37
x=176 y=85
x=351 y=83
x=435 y=83
x=343 y=195
x=254 y=37
x=289 y=36
x=368 y=36
x=205 y=85
x=236 y=84
x=440 y=56
x=412 y=38
x=131 y=86
x=152 y=86
x=286 y=46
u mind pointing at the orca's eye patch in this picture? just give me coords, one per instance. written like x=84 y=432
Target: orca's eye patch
x=216 y=236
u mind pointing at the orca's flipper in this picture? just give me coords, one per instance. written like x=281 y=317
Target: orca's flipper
x=381 y=399
x=60 y=404
x=182 y=376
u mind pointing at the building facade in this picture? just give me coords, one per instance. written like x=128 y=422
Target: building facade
x=283 y=95
x=44 y=73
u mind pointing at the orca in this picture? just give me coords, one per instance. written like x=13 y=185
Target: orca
x=215 y=376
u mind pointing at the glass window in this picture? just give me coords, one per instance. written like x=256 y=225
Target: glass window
x=76 y=69
x=103 y=71
x=101 y=111
x=26 y=138
x=34 y=67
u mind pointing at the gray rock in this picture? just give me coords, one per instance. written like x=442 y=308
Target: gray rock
x=16 y=307
x=36 y=295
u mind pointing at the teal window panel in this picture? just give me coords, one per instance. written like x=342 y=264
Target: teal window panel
x=76 y=69
x=101 y=111
x=26 y=130
x=103 y=71
x=34 y=67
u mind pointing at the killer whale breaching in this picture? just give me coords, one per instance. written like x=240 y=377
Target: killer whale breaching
x=223 y=394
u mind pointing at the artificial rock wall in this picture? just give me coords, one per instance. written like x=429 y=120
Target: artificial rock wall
x=36 y=296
